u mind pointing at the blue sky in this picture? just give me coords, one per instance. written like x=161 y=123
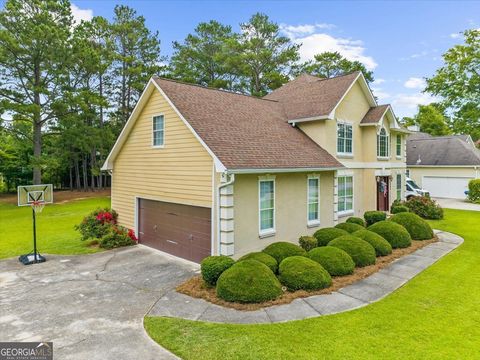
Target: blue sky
x=401 y=41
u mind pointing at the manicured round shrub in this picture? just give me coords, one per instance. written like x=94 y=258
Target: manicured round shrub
x=308 y=242
x=336 y=261
x=397 y=209
x=418 y=228
x=356 y=220
x=281 y=250
x=382 y=247
x=425 y=207
x=325 y=235
x=361 y=252
x=302 y=273
x=349 y=227
x=474 y=190
x=371 y=217
x=394 y=233
x=263 y=258
x=248 y=281
x=213 y=266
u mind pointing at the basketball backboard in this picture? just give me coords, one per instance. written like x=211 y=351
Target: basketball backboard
x=29 y=194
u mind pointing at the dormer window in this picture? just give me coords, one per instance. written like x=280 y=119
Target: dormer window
x=383 y=148
x=344 y=139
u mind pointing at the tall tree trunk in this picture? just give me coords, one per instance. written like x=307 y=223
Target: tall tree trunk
x=84 y=170
x=71 y=177
x=77 y=175
x=37 y=130
x=93 y=163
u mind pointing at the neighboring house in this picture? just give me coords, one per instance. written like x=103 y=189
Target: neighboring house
x=199 y=171
x=442 y=165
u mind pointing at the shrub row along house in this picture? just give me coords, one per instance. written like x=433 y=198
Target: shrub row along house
x=199 y=171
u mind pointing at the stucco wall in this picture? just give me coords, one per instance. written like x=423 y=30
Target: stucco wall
x=290 y=209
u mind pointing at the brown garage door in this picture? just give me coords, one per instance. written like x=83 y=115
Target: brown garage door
x=177 y=229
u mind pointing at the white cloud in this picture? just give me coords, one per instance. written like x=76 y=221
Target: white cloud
x=380 y=93
x=317 y=43
x=293 y=31
x=411 y=101
x=379 y=81
x=455 y=35
x=415 y=83
x=80 y=14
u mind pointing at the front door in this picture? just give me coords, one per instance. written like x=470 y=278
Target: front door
x=383 y=189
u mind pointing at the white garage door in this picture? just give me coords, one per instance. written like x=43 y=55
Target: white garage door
x=446 y=187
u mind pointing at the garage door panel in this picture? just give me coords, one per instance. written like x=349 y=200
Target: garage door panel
x=177 y=229
x=446 y=186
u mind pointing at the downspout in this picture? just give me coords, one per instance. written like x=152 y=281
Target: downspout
x=219 y=187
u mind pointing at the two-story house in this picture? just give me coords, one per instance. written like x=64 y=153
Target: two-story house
x=199 y=171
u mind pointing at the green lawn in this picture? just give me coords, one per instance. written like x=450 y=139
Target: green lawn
x=55 y=232
x=434 y=316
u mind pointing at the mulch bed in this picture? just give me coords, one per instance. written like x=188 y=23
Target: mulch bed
x=197 y=288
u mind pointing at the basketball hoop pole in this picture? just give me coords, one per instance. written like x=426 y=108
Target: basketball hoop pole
x=34 y=236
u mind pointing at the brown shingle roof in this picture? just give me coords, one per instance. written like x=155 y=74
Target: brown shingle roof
x=245 y=132
x=374 y=114
x=309 y=96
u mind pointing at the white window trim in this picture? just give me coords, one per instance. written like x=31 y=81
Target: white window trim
x=266 y=232
x=348 y=212
x=388 y=145
x=344 y=154
x=153 y=132
x=401 y=147
x=314 y=222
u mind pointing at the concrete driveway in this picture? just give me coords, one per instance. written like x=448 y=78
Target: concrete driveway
x=459 y=204
x=90 y=306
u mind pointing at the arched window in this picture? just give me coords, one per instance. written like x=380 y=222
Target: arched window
x=383 y=144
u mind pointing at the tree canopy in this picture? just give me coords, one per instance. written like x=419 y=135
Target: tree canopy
x=457 y=82
x=430 y=119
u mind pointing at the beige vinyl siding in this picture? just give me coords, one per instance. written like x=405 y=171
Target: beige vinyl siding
x=180 y=172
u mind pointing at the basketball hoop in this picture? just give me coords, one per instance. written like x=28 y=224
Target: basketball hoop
x=38 y=206
x=35 y=196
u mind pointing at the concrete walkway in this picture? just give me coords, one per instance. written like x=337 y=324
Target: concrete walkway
x=361 y=293
x=459 y=204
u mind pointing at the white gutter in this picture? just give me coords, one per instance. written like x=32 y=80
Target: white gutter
x=280 y=170
x=219 y=187
x=307 y=119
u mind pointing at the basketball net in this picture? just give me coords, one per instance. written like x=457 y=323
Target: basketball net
x=38 y=206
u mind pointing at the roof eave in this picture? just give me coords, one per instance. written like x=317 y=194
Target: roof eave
x=281 y=170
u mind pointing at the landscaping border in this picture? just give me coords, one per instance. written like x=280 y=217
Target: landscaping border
x=356 y=295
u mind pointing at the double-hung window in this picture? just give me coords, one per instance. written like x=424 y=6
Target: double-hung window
x=345 y=194
x=158 y=134
x=313 y=200
x=399 y=186
x=344 y=139
x=399 y=146
x=382 y=144
x=266 y=206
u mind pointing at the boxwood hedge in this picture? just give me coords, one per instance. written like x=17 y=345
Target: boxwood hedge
x=325 y=235
x=418 y=228
x=356 y=220
x=394 y=233
x=302 y=273
x=349 y=227
x=213 y=266
x=382 y=247
x=263 y=258
x=282 y=249
x=336 y=261
x=361 y=252
x=248 y=281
